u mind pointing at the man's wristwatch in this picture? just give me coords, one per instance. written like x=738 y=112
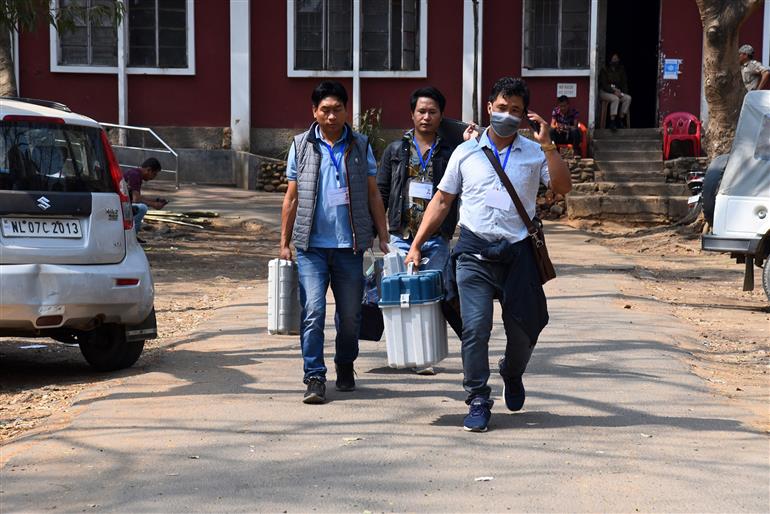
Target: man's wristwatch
x=548 y=147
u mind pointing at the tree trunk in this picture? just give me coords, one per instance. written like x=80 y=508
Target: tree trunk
x=7 y=73
x=722 y=20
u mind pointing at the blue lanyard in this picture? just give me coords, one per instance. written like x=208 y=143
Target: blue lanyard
x=335 y=162
x=424 y=162
x=497 y=154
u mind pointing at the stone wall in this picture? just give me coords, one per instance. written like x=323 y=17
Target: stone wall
x=582 y=170
x=676 y=170
x=552 y=206
x=272 y=176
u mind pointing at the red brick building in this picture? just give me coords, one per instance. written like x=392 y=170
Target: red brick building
x=195 y=67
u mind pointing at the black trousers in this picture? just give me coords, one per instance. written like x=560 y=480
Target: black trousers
x=572 y=137
x=524 y=307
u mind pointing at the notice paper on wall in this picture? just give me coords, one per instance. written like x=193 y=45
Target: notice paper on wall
x=566 y=89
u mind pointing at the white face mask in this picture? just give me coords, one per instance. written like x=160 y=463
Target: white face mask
x=504 y=124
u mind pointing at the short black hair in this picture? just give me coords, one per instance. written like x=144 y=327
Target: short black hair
x=509 y=86
x=329 y=88
x=428 y=92
x=152 y=163
x=563 y=98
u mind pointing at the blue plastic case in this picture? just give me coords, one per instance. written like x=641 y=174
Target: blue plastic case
x=422 y=287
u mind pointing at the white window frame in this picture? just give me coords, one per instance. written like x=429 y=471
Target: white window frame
x=420 y=73
x=80 y=68
x=552 y=72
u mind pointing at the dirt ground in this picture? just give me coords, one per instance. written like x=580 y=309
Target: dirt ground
x=705 y=290
x=196 y=271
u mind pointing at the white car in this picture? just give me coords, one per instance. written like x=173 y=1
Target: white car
x=70 y=265
x=741 y=224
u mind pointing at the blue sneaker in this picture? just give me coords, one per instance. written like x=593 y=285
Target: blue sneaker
x=478 y=415
x=513 y=392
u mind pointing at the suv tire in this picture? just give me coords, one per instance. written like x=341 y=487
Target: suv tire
x=766 y=277
x=711 y=183
x=106 y=348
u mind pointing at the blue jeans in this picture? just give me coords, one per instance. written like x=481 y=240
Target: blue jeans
x=479 y=283
x=318 y=267
x=435 y=249
x=139 y=210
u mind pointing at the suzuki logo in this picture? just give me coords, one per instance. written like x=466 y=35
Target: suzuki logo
x=44 y=203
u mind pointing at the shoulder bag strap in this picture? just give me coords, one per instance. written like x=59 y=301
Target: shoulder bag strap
x=531 y=228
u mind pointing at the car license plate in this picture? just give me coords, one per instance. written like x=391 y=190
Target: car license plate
x=42 y=227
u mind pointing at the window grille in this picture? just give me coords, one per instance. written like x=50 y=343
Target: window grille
x=556 y=34
x=323 y=35
x=389 y=35
x=157 y=33
x=92 y=42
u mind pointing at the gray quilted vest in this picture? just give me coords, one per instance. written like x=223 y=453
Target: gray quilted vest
x=308 y=157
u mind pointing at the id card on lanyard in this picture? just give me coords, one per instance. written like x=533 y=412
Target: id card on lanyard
x=498 y=198
x=339 y=195
x=421 y=189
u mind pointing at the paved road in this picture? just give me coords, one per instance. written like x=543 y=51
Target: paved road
x=614 y=421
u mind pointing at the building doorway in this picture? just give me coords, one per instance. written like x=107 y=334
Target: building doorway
x=633 y=31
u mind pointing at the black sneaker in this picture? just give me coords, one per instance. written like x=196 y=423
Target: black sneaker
x=345 y=377
x=613 y=125
x=316 y=391
x=513 y=391
x=479 y=414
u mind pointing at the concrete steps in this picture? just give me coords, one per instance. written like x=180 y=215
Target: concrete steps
x=631 y=189
x=638 y=209
x=624 y=153
x=630 y=182
x=621 y=166
x=631 y=144
x=630 y=176
x=633 y=134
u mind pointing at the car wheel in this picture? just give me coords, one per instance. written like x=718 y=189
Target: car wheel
x=106 y=348
x=766 y=277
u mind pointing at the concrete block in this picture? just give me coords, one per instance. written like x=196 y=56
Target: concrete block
x=274 y=142
x=583 y=207
x=207 y=166
x=202 y=138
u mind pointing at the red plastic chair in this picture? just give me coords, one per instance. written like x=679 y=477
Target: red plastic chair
x=677 y=127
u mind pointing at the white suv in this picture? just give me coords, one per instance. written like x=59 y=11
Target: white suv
x=70 y=266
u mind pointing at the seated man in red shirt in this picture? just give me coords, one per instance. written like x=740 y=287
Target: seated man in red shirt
x=564 y=125
x=134 y=177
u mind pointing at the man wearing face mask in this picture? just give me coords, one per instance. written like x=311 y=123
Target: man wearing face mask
x=613 y=88
x=493 y=257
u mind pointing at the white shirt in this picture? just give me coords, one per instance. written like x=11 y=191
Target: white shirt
x=470 y=175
